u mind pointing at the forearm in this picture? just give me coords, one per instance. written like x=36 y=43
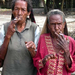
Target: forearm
x=3 y=49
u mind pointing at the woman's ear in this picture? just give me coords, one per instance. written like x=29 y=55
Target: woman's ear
x=13 y=13
x=48 y=26
x=29 y=13
x=64 y=24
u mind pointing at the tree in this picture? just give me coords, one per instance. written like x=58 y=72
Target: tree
x=1 y=3
x=62 y=5
x=45 y=7
x=53 y=4
x=8 y=3
x=71 y=5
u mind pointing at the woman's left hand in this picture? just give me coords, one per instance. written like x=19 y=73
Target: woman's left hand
x=63 y=42
x=31 y=47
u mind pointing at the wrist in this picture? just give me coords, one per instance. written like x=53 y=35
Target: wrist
x=7 y=36
x=43 y=62
x=33 y=53
x=67 y=53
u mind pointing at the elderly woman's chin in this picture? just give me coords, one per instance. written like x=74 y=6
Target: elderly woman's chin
x=20 y=22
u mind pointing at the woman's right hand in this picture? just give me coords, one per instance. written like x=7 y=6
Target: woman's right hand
x=11 y=29
x=48 y=57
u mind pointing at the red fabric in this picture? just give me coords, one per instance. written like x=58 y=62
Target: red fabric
x=42 y=52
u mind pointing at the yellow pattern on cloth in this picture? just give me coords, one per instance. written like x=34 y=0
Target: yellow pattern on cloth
x=55 y=65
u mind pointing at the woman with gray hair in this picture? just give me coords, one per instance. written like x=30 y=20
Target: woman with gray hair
x=56 y=50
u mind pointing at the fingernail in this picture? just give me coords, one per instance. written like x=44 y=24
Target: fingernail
x=27 y=46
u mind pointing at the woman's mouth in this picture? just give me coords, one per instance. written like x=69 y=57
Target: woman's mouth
x=17 y=18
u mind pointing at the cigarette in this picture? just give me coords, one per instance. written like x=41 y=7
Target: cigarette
x=60 y=33
x=15 y=19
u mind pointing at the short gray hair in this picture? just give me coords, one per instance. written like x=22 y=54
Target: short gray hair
x=55 y=12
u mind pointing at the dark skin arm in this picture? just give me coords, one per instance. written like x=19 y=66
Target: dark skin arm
x=31 y=47
x=64 y=44
x=3 y=50
x=10 y=31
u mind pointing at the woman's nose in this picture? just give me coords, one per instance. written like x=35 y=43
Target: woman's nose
x=56 y=27
x=19 y=12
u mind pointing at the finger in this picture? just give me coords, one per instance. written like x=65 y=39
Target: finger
x=67 y=39
x=64 y=46
x=13 y=30
x=58 y=35
x=61 y=37
x=60 y=41
x=52 y=56
x=46 y=59
x=33 y=46
x=14 y=26
x=55 y=57
x=29 y=44
x=61 y=45
x=25 y=42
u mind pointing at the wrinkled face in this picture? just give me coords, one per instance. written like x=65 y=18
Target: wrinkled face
x=56 y=24
x=20 y=10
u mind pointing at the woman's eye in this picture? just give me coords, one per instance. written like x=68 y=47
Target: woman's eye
x=15 y=9
x=23 y=9
x=59 y=23
x=52 y=24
